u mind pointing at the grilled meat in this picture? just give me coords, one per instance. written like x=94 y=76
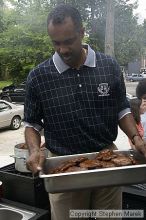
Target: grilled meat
x=78 y=160
x=104 y=159
x=106 y=155
x=90 y=164
x=107 y=164
x=122 y=161
x=67 y=164
x=64 y=166
x=75 y=169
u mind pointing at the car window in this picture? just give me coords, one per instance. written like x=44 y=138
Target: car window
x=4 y=107
x=20 y=87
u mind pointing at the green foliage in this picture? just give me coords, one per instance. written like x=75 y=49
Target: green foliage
x=5 y=83
x=127 y=31
x=24 y=41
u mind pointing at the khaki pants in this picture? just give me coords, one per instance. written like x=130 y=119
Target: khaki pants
x=99 y=198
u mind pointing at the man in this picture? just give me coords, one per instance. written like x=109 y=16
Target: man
x=80 y=96
x=141 y=94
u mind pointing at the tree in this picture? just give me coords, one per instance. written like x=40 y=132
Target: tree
x=24 y=40
x=24 y=43
x=109 y=33
x=127 y=30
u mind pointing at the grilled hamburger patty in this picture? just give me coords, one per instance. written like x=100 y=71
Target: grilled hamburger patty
x=104 y=159
x=90 y=164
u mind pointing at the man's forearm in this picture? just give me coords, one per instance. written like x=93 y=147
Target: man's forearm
x=128 y=125
x=32 y=138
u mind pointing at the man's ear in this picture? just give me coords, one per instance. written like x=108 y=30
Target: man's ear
x=82 y=32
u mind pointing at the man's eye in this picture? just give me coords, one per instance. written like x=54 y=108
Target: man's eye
x=70 y=41
x=56 y=43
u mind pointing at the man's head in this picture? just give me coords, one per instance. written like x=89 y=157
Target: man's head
x=135 y=105
x=58 y=15
x=141 y=89
x=66 y=32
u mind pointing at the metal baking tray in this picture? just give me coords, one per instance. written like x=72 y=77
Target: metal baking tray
x=114 y=176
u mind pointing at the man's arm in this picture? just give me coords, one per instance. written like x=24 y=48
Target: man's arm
x=33 y=139
x=37 y=157
x=127 y=124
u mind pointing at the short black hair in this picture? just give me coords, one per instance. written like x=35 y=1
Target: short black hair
x=141 y=88
x=62 y=11
x=135 y=109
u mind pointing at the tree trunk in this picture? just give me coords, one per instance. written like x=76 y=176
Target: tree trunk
x=109 y=33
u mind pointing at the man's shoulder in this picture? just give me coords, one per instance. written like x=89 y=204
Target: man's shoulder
x=103 y=56
x=41 y=70
x=47 y=64
x=105 y=59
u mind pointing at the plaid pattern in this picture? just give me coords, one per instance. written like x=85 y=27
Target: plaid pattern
x=79 y=108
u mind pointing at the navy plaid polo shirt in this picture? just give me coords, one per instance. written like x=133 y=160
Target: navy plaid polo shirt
x=79 y=108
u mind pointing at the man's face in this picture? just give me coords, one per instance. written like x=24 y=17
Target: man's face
x=67 y=41
x=143 y=104
x=144 y=97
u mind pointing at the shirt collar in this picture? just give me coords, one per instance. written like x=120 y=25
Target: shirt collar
x=62 y=67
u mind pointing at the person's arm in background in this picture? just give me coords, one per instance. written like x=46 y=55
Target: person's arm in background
x=128 y=126
x=126 y=120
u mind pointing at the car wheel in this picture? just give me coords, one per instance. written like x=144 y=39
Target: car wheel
x=6 y=98
x=15 y=123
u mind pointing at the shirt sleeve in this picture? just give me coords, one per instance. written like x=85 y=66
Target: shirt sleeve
x=33 y=113
x=33 y=125
x=123 y=113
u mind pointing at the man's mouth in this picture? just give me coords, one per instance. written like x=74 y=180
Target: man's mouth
x=66 y=58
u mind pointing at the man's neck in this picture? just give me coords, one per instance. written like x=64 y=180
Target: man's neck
x=82 y=59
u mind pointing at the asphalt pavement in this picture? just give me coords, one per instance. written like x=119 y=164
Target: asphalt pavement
x=131 y=87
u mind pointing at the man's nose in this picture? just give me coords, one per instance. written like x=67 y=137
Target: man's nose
x=63 y=50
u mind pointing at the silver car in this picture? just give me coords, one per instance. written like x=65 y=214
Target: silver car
x=11 y=115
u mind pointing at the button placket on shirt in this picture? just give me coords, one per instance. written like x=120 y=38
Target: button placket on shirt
x=78 y=78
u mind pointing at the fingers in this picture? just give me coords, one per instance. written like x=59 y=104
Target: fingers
x=31 y=166
x=142 y=149
x=33 y=162
x=36 y=160
x=41 y=159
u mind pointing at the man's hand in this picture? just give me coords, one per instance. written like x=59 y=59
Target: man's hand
x=36 y=160
x=139 y=145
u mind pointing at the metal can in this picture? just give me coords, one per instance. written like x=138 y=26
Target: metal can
x=1 y=189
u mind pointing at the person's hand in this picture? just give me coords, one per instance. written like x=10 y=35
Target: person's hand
x=36 y=160
x=139 y=145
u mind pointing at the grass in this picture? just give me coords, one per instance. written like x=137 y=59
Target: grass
x=5 y=83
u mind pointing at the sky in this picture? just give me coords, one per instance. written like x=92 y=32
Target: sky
x=141 y=10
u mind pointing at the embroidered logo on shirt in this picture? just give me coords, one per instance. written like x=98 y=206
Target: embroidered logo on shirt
x=103 y=89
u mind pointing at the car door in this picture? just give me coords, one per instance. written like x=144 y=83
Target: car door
x=6 y=114
x=18 y=93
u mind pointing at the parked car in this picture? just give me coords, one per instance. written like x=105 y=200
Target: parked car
x=134 y=77
x=143 y=74
x=129 y=97
x=14 y=93
x=11 y=115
